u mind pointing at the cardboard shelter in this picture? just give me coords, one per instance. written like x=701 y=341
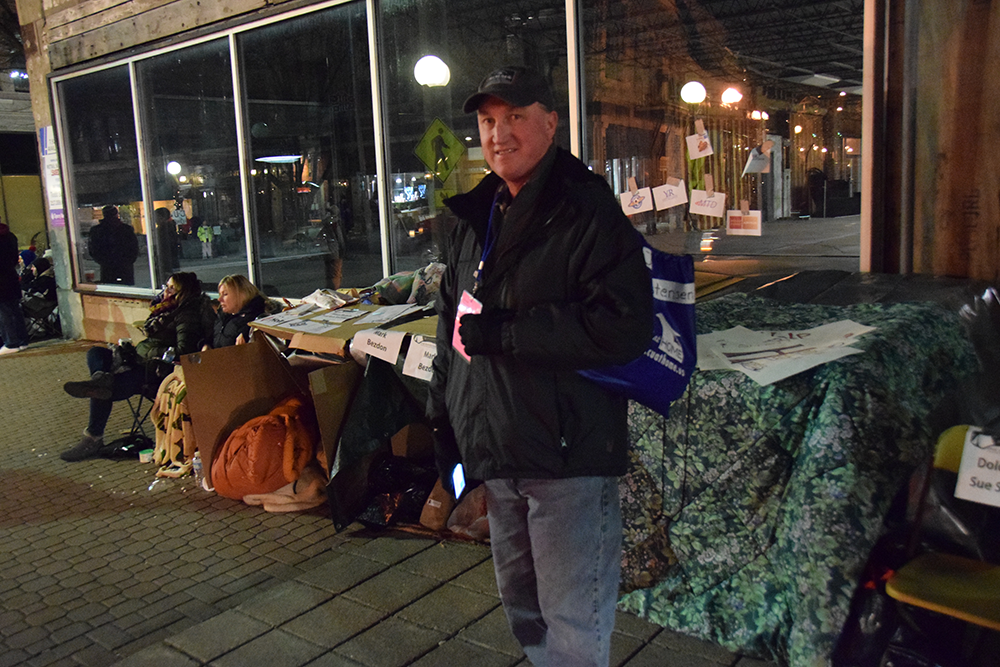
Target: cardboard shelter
x=229 y=386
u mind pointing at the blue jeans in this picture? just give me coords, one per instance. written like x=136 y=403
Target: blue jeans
x=557 y=554
x=125 y=385
x=13 y=328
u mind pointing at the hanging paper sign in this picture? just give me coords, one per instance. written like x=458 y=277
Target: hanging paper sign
x=702 y=204
x=636 y=202
x=698 y=143
x=739 y=223
x=667 y=195
x=379 y=343
x=979 y=472
x=759 y=161
x=419 y=358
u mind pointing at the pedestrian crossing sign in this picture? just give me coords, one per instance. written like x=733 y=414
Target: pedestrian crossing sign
x=439 y=149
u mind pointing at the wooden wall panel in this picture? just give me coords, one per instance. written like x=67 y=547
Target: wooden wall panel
x=957 y=171
x=140 y=22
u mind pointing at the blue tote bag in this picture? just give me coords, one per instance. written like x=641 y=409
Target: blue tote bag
x=660 y=375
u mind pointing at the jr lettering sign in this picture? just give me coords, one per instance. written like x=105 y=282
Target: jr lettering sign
x=979 y=472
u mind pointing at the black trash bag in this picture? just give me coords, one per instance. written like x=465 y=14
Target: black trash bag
x=400 y=487
x=126 y=447
x=979 y=396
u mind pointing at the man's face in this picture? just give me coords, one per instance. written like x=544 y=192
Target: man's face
x=515 y=139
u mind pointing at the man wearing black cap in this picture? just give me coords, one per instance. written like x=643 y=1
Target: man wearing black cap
x=545 y=277
x=114 y=247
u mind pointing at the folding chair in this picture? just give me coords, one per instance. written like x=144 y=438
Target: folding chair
x=963 y=588
x=141 y=406
x=41 y=317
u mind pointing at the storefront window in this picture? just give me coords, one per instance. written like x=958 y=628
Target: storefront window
x=103 y=168
x=192 y=166
x=434 y=149
x=307 y=84
x=788 y=75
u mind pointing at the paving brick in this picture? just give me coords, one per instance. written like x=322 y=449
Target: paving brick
x=446 y=560
x=492 y=632
x=392 y=548
x=654 y=655
x=216 y=636
x=448 y=609
x=457 y=652
x=694 y=646
x=284 y=602
x=391 y=643
x=276 y=648
x=341 y=573
x=333 y=622
x=391 y=590
x=157 y=656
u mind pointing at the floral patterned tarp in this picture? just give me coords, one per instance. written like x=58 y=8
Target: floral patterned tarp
x=750 y=511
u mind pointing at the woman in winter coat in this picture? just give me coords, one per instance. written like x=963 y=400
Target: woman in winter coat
x=179 y=318
x=240 y=303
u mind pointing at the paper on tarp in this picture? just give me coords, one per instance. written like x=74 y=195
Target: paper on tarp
x=769 y=356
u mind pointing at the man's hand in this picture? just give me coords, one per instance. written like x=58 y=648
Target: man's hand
x=481 y=334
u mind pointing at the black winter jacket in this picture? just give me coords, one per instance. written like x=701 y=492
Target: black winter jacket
x=571 y=269
x=229 y=327
x=10 y=286
x=182 y=328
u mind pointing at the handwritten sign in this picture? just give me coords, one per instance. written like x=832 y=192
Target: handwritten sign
x=419 y=358
x=702 y=204
x=979 y=472
x=379 y=343
x=667 y=196
x=636 y=202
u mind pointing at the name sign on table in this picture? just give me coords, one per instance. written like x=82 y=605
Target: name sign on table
x=419 y=358
x=381 y=344
x=979 y=472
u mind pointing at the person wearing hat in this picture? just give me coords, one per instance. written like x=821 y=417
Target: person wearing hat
x=545 y=276
x=114 y=247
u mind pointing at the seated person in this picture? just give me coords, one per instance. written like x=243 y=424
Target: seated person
x=179 y=318
x=39 y=287
x=240 y=302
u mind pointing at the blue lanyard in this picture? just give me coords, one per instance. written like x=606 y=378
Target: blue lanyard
x=488 y=243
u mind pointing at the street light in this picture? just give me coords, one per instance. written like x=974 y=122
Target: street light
x=693 y=92
x=432 y=72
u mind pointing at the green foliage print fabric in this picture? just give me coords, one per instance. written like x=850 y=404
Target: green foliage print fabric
x=750 y=511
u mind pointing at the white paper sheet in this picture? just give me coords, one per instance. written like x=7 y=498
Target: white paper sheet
x=769 y=356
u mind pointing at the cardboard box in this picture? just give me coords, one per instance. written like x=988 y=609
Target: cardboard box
x=229 y=386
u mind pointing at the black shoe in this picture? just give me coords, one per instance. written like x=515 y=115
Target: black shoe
x=87 y=447
x=98 y=386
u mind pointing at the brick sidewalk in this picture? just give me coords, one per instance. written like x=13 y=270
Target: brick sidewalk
x=102 y=564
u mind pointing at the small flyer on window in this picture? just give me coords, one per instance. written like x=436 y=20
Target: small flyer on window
x=699 y=145
x=702 y=204
x=636 y=202
x=667 y=196
x=739 y=223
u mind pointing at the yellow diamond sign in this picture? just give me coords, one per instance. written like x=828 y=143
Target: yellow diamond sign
x=439 y=149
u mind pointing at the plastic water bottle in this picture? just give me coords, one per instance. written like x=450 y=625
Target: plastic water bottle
x=197 y=471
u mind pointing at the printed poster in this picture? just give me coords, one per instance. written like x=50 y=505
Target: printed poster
x=740 y=224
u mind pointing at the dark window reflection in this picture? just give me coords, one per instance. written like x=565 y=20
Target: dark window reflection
x=308 y=89
x=103 y=163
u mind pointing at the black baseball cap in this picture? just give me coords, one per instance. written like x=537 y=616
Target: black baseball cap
x=520 y=86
